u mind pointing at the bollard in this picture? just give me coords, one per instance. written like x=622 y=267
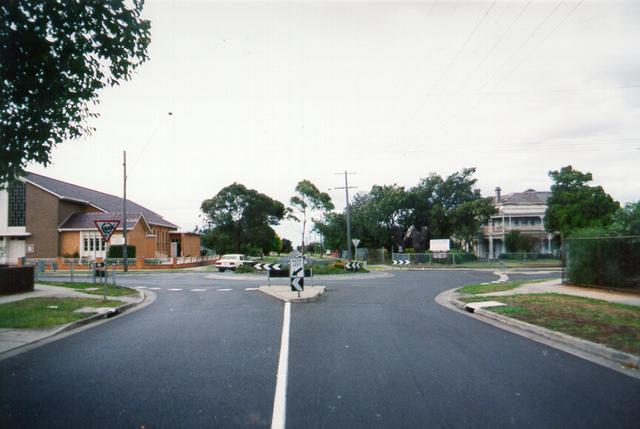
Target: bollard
x=71 y=272
x=113 y=274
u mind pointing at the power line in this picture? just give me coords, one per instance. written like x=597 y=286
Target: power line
x=457 y=54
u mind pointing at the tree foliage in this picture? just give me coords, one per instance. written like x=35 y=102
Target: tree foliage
x=575 y=205
x=56 y=56
x=308 y=199
x=240 y=219
x=437 y=207
x=515 y=241
x=626 y=221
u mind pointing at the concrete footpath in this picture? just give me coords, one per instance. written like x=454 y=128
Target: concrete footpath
x=13 y=338
x=626 y=363
x=556 y=286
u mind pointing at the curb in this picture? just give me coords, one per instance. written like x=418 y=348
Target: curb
x=269 y=291
x=74 y=325
x=598 y=350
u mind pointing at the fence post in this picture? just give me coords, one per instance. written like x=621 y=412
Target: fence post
x=71 y=271
x=113 y=274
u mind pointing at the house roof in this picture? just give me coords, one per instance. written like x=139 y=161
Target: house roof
x=528 y=197
x=100 y=200
x=83 y=221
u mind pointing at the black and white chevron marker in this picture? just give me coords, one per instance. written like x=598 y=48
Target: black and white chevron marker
x=268 y=267
x=353 y=266
x=297 y=284
x=400 y=262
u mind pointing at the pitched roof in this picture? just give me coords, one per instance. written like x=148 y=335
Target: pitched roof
x=528 y=197
x=100 y=200
x=82 y=220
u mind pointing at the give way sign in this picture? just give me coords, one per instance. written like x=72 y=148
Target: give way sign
x=106 y=228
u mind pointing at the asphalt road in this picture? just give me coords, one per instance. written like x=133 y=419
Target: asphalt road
x=369 y=353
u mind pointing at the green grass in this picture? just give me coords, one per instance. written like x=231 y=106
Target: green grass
x=35 y=312
x=83 y=286
x=614 y=325
x=495 y=287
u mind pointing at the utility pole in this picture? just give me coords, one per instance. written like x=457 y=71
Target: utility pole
x=125 y=262
x=346 y=188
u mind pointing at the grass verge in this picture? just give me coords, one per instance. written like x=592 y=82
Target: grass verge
x=45 y=312
x=614 y=325
x=495 y=287
x=83 y=286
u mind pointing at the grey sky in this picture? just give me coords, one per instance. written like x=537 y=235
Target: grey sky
x=267 y=94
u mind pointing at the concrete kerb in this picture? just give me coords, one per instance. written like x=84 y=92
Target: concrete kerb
x=564 y=342
x=144 y=297
x=284 y=293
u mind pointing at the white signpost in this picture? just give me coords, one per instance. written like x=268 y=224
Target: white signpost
x=355 y=242
x=296 y=274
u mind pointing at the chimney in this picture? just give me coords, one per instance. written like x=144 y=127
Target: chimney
x=498 y=194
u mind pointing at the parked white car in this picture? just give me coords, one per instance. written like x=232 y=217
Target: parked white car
x=232 y=261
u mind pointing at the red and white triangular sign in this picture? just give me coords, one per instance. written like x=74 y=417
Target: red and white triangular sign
x=106 y=227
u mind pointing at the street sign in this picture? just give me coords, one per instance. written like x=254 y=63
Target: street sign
x=296 y=274
x=401 y=262
x=355 y=241
x=106 y=228
x=267 y=267
x=440 y=255
x=352 y=266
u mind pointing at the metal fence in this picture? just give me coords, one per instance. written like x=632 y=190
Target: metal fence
x=433 y=258
x=602 y=261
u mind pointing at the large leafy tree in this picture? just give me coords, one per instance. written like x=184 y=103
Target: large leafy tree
x=575 y=205
x=239 y=219
x=56 y=56
x=450 y=207
x=626 y=221
x=307 y=200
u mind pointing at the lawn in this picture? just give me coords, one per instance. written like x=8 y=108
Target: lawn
x=83 y=286
x=614 y=325
x=45 y=312
x=495 y=287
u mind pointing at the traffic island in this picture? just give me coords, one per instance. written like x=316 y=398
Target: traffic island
x=284 y=293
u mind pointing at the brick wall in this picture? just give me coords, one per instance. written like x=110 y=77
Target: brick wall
x=41 y=222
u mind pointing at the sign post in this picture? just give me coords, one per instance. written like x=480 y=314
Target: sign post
x=355 y=242
x=296 y=275
x=106 y=228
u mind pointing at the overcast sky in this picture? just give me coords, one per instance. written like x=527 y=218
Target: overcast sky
x=267 y=94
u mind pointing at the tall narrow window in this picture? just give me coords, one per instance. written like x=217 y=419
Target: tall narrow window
x=16 y=204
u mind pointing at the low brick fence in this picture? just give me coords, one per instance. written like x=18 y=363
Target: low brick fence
x=15 y=279
x=65 y=264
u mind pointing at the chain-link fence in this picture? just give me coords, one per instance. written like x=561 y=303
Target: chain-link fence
x=602 y=261
x=432 y=258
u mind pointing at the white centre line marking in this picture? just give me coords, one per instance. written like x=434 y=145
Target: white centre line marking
x=140 y=287
x=155 y=288
x=198 y=290
x=280 y=398
x=251 y=288
x=175 y=290
x=224 y=290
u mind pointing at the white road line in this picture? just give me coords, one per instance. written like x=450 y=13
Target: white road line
x=198 y=290
x=155 y=288
x=280 y=398
x=175 y=290
x=140 y=287
x=251 y=288
x=224 y=290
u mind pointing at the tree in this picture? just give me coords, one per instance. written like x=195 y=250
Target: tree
x=239 y=219
x=56 y=56
x=450 y=207
x=287 y=246
x=626 y=221
x=333 y=230
x=515 y=241
x=308 y=199
x=574 y=204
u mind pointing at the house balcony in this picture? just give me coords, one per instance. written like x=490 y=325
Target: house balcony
x=500 y=229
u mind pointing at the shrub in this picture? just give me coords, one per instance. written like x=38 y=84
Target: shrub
x=245 y=268
x=115 y=251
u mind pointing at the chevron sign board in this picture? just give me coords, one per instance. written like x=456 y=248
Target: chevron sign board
x=267 y=267
x=296 y=274
x=353 y=266
x=400 y=262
